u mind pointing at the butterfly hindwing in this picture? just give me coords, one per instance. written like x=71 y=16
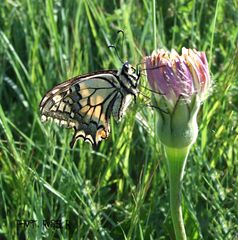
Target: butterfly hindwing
x=92 y=110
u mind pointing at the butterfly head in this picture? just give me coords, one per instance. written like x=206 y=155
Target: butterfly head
x=130 y=74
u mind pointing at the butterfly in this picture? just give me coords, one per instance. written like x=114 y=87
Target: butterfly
x=87 y=102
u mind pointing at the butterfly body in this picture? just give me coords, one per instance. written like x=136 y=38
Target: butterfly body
x=87 y=102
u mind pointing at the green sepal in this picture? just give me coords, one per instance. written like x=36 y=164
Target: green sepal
x=178 y=128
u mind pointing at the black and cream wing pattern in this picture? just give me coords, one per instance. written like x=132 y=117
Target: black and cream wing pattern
x=86 y=103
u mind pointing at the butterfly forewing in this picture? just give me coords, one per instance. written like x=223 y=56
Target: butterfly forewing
x=86 y=103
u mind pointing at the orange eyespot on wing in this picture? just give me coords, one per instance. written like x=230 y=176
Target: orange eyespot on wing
x=101 y=134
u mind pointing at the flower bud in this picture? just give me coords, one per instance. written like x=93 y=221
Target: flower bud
x=182 y=82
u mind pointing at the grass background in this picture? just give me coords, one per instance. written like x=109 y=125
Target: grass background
x=120 y=189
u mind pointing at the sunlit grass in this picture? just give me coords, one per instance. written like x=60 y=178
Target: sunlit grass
x=120 y=189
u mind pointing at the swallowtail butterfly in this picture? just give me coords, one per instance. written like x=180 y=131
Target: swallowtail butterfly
x=86 y=103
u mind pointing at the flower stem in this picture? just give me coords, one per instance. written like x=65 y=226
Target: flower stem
x=176 y=160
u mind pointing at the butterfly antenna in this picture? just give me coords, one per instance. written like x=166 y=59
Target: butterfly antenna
x=123 y=37
x=114 y=47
